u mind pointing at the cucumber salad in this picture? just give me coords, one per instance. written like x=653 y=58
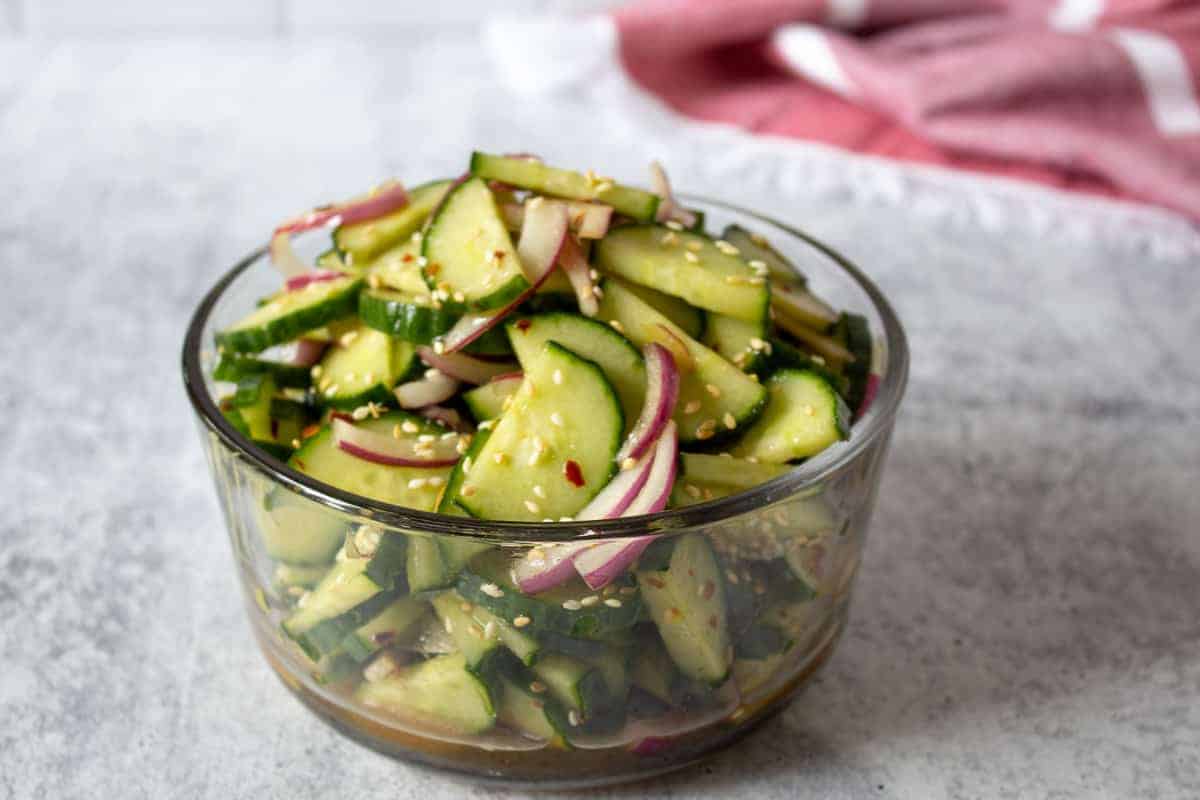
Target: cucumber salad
x=534 y=344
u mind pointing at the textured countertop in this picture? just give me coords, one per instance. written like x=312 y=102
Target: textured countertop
x=1026 y=621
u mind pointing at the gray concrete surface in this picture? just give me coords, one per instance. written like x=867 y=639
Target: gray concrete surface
x=1026 y=624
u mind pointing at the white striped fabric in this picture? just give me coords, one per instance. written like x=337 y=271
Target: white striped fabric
x=807 y=50
x=1165 y=78
x=1076 y=15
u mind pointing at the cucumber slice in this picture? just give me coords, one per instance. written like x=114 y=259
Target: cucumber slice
x=577 y=685
x=613 y=665
x=344 y=600
x=439 y=692
x=687 y=603
x=291 y=314
x=412 y=487
x=411 y=317
x=361 y=242
x=297 y=531
x=655 y=672
x=804 y=415
x=762 y=640
x=538 y=177
x=468 y=252
x=237 y=366
x=483 y=652
x=783 y=355
x=534 y=713
x=756 y=248
x=566 y=411
x=736 y=473
x=253 y=401
x=400 y=269
x=390 y=626
x=736 y=340
x=306 y=577
x=568 y=610
x=685 y=265
x=457 y=552
x=690 y=319
x=853 y=331
x=487 y=401
x=616 y=356
x=425 y=567
x=713 y=389
x=362 y=367
x=447 y=502
x=331 y=259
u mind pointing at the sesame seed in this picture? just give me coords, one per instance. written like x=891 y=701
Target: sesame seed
x=612 y=602
x=694 y=491
x=416 y=237
x=466 y=465
x=408 y=426
x=295 y=444
x=532 y=507
x=521 y=621
x=628 y=463
x=332 y=390
x=448 y=435
x=757 y=343
x=729 y=421
x=436 y=480
x=735 y=280
x=316 y=370
x=417 y=483
x=694 y=246
x=673 y=225
x=347 y=338
x=491 y=590
x=593 y=274
x=669 y=238
x=691 y=257
x=566 y=519
x=369 y=377
x=468 y=490
x=461 y=448
x=558 y=377
x=537 y=687
x=706 y=429
x=757 y=280
x=396 y=432
x=500 y=458
x=726 y=248
x=475 y=629
x=712 y=389
x=692 y=407
x=538 y=491
x=422 y=261
x=487 y=424
x=439 y=346
x=809 y=411
x=426 y=438
x=373 y=280
x=489 y=630
x=603 y=186
x=757 y=263
x=616 y=325
x=589 y=601
x=572 y=605
x=534 y=458
x=573 y=718
x=598 y=292
x=360 y=413
x=556 y=418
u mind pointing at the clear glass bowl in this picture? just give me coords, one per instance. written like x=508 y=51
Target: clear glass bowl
x=815 y=515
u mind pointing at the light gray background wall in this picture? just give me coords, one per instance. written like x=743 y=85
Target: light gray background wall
x=254 y=18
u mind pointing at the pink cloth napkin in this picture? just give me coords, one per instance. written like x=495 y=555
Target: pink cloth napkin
x=1097 y=95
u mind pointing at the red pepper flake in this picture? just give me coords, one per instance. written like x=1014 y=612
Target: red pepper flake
x=407 y=257
x=342 y=416
x=571 y=470
x=433 y=269
x=310 y=431
x=522 y=326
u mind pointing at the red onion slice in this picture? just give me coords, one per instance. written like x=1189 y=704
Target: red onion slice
x=433 y=388
x=662 y=392
x=543 y=568
x=586 y=220
x=298 y=282
x=869 y=393
x=579 y=274
x=380 y=202
x=464 y=367
x=657 y=490
x=602 y=564
x=543 y=233
x=663 y=335
x=307 y=352
x=448 y=417
x=619 y=493
x=379 y=448
x=669 y=208
x=284 y=258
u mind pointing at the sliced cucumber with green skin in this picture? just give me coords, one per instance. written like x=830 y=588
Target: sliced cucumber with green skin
x=685 y=265
x=713 y=389
x=236 y=366
x=389 y=626
x=687 y=603
x=487 y=401
x=306 y=577
x=566 y=412
x=737 y=473
x=613 y=664
x=736 y=340
x=534 y=713
x=253 y=401
x=425 y=567
x=485 y=655
x=387 y=566
x=690 y=319
x=362 y=367
x=399 y=269
x=412 y=318
x=343 y=600
x=616 y=356
x=291 y=314
x=321 y=458
x=447 y=502
x=534 y=175
x=440 y=692
x=577 y=685
x=297 y=531
x=654 y=671
x=762 y=640
x=457 y=552
x=756 y=248
x=487 y=583
x=468 y=250
x=809 y=563
x=854 y=332
x=804 y=415
x=784 y=355
x=363 y=241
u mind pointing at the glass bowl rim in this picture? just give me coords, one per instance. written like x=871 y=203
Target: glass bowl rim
x=802 y=478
